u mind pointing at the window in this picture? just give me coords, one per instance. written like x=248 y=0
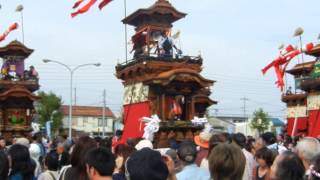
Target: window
x=85 y=120
x=100 y=122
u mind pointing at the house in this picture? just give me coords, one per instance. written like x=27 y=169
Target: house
x=276 y=125
x=222 y=124
x=233 y=119
x=88 y=119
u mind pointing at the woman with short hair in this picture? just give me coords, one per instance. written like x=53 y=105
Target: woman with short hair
x=22 y=166
x=226 y=162
x=287 y=166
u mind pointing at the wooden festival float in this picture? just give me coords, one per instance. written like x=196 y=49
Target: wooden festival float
x=159 y=82
x=303 y=105
x=16 y=91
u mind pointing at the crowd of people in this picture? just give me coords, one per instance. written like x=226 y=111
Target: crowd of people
x=217 y=155
x=10 y=73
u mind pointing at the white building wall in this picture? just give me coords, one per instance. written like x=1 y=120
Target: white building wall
x=88 y=124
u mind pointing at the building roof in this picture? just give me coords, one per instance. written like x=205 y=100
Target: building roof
x=315 y=51
x=15 y=48
x=302 y=68
x=233 y=118
x=162 y=7
x=277 y=122
x=91 y=111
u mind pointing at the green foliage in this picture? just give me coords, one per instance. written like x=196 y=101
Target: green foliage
x=261 y=121
x=48 y=107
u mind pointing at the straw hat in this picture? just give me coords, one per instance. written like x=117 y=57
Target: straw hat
x=203 y=138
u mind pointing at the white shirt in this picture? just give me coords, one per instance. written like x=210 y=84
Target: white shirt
x=278 y=147
x=250 y=165
x=47 y=175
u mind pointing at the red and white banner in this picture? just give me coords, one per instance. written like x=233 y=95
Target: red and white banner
x=281 y=62
x=87 y=6
x=104 y=3
x=133 y=126
x=301 y=124
x=11 y=28
x=77 y=4
x=84 y=9
x=314 y=123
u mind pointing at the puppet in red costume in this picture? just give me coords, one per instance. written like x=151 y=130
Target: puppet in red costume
x=176 y=109
x=280 y=63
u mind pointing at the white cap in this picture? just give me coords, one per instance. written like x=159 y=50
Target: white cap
x=23 y=141
x=143 y=144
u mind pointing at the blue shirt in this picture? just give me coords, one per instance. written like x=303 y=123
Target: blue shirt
x=193 y=172
x=18 y=176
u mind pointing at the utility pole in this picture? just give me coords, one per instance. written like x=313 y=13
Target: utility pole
x=75 y=96
x=104 y=114
x=244 y=99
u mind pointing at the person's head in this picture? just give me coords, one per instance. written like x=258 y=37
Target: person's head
x=264 y=157
x=228 y=136
x=100 y=163
x=315 y=168
x=187 y=152
x=118 y=133
x=227 y=162
x=123 y=151
x=216 y=139
x=146 y=164
x=239 y=139
x=269 y=138
x=132 y=142
x=51 y=161
x=2 y=142
x=287 y=166
x=37 y=137
x=307 y=149
x=82 y=146
x=60 y=148
x=22 y=141
x=143 y=144
x=98 y=140
x=288 y=142
x=259 y=144
x=106 y=143
x=4 y=165
x=31 y=67
x=164 y=33
x=250 y=145
x=20 y=161
x=202 y=140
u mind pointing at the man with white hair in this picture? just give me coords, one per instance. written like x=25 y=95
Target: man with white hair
x=307 y=149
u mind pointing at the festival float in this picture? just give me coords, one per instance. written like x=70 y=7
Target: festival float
x=303 y=102
x=165 y=97
x=16 y=91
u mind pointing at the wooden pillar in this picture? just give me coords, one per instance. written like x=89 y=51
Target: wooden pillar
x=163 y=107
x=158 y=104
x=1 y=119
x=192 y=113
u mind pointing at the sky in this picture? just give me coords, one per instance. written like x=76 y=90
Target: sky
x=236 y=38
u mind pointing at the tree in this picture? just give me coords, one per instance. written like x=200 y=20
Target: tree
x=260 y=121
x=49 y=108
